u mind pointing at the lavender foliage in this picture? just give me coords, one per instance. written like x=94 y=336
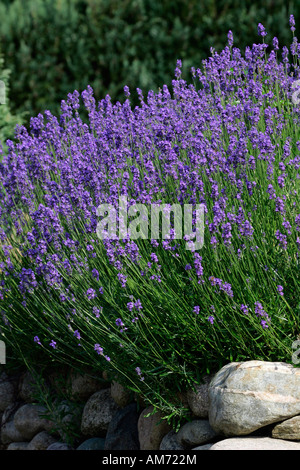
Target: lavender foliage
x=230 y=141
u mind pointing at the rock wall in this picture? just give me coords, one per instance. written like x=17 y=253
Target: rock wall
x=247 y=405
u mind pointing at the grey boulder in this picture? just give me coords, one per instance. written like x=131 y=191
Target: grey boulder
x=246 y=396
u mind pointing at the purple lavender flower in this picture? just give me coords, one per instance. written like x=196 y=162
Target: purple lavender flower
x=139 y=373
x=126 y=91
x=178 y=68
x=260 y=312
x=211 y=319
x=155 y=277
x=244 y=309
x=53 y=344
x=280 y=290
x=198 y=265
x=197 y=309
x=292 y=23
x=96 y=311
x=36 y=339
x=138 y=304
x=230 y=38
x=154 y=258
x=91 y=293
x=282 y=239
x=123 y=279
x=275 y=44
x=98 y=349
x=261 y=30
x=223 y=286
x=95 y=274
x=130 y=306
x=119 y=322
x=264 y=324
x=77 y=334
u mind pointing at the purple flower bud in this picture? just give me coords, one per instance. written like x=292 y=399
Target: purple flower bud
x=126 y=91
x=292 y=23
x=261 y=30
x=230 y=38
x=98 y=349
x=275 y=44
x=280 y=290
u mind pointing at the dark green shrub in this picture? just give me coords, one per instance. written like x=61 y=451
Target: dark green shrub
x=8 y=120
x=53 y=47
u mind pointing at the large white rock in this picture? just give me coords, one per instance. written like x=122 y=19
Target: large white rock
x=254 y=443
x=245 y=396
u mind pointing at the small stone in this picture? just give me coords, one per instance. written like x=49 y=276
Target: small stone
x=120 y=394
x=195 y=432
x=60 y=446
x=204 y=447
x=105 y=375
x=9 y=433
x=122 y=433
x=82 y=386
x=198 y=398
x=169 y=442
x=97 y=414
x=7 y=391
x=288 y=429
x=10 y=411
x=68 y=416
x=94 y=443
x=27 y=388
x=28 y=420
x=18 y=446
x=151 y=429
x=41 y=441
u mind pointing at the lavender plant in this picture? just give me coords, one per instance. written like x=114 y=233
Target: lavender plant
x=154 y=314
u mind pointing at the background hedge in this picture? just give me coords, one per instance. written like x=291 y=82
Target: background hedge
x=55 y=46
x=8 y=120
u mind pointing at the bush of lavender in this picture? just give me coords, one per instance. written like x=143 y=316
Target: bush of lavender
x=156 y=315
